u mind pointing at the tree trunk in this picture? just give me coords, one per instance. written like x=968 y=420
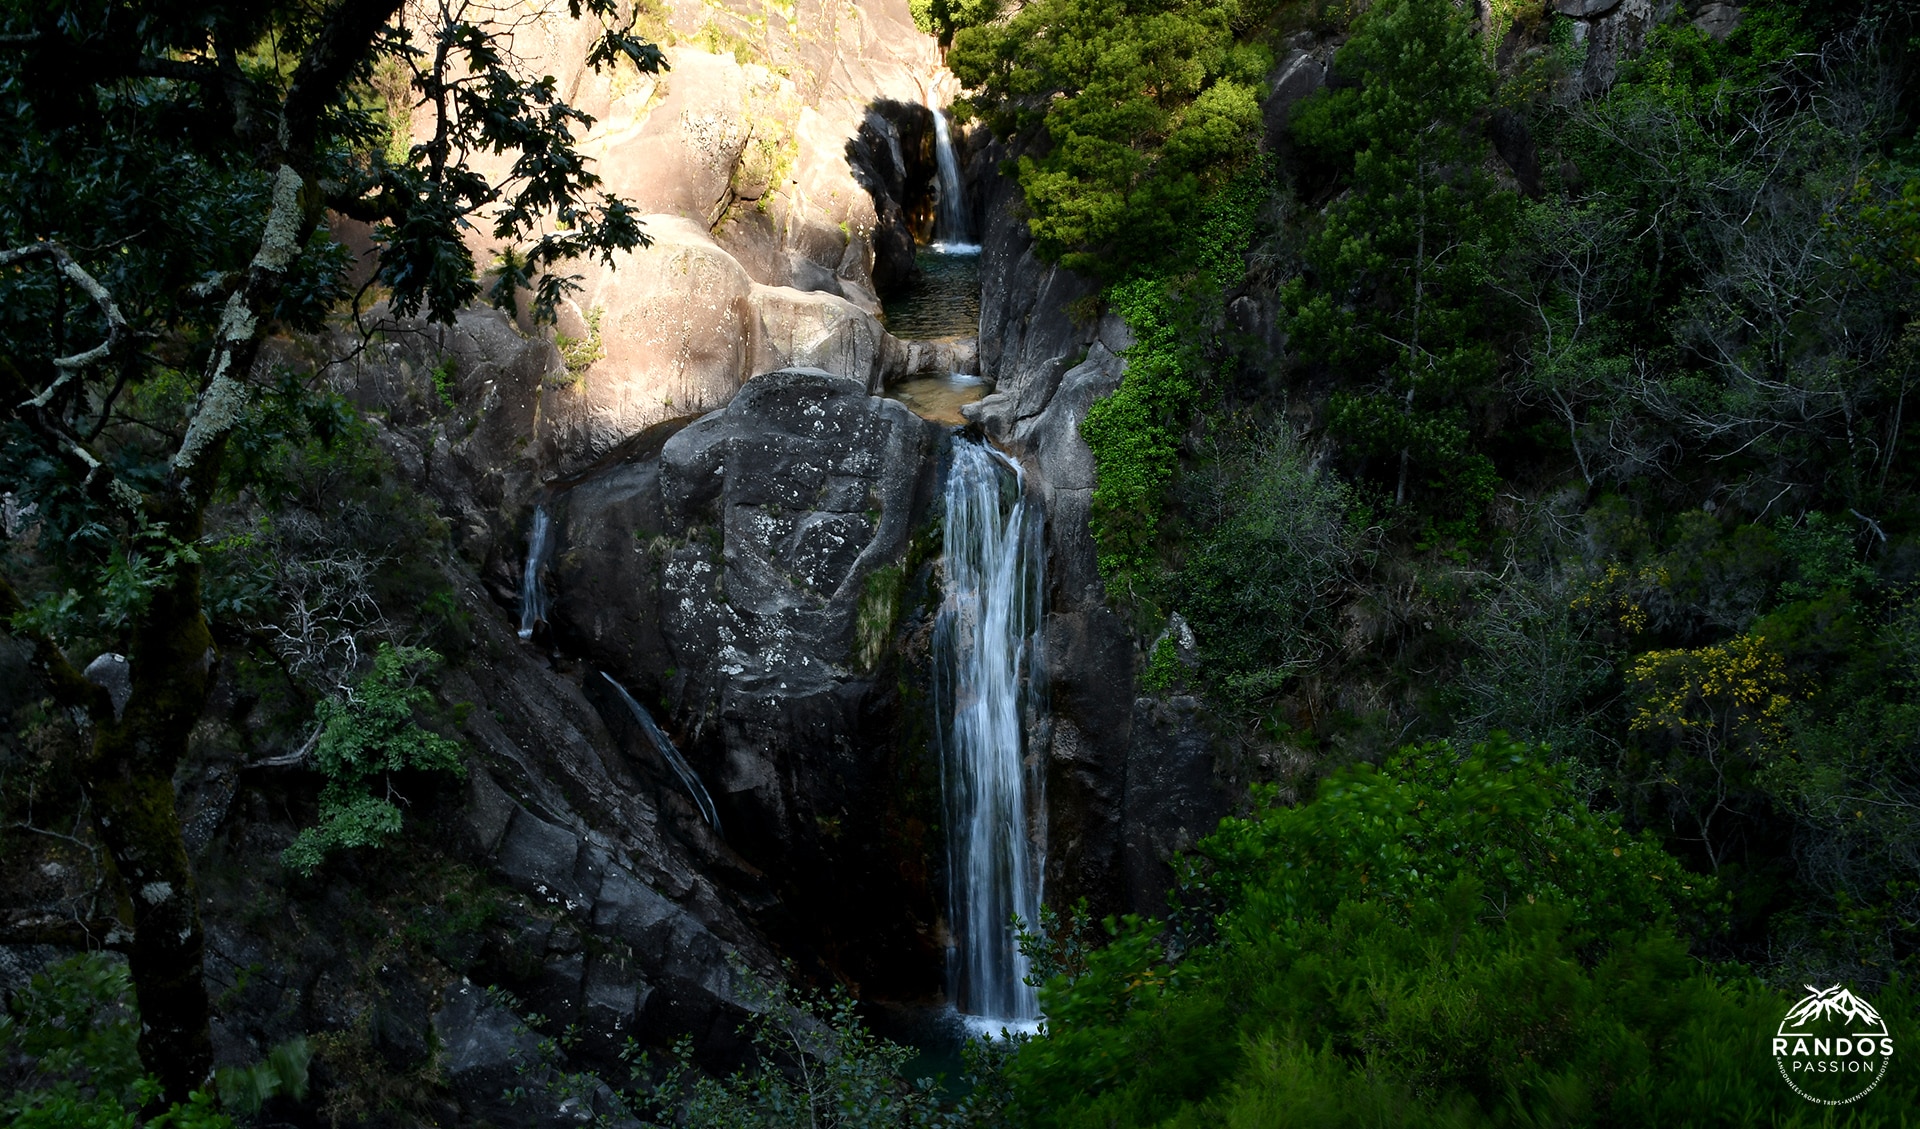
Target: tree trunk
x=129 y=779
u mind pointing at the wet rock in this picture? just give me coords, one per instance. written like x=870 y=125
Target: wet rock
x=891 y=157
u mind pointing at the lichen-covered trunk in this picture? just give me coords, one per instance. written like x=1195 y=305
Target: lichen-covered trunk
x=129 y=779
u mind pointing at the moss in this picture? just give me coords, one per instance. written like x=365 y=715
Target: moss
x=874 y=619
x=581 y=353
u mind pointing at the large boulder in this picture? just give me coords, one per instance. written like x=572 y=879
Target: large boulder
x=677 y=327
x=802 y=329
x=752 y=583
x=783 y=167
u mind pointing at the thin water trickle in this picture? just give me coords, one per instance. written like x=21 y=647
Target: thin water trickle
x=987 y=639
x=689 y=779
x=533 y=594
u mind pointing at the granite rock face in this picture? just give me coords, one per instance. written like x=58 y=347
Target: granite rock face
x=750 y=583
x=783 y=181
x=1610 y=32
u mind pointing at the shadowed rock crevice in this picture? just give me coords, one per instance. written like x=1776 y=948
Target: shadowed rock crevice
x=891 y=157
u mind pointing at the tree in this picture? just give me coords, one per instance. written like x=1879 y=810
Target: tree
x=168 y=167
x=1392 y=295
x=1140 y=111
x=941 y=18
x=1731 y=278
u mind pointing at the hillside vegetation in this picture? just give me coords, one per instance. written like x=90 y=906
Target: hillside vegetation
x=1596 y=441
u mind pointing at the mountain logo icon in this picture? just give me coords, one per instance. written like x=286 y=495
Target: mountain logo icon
x=1832 y=1047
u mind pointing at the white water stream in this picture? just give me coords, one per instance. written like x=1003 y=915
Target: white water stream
x=533 y=595
x=987 y=686
x=951 y=231
x=689 y=779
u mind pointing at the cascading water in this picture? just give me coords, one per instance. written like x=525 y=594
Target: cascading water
x=987 y=686
x=951 y=232
x=533 y=595
x=662 y=745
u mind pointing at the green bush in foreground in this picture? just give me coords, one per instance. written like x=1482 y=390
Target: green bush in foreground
x=1439 y=941
x=68 y=1057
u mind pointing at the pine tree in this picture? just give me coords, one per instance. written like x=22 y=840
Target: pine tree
x=1391 y=296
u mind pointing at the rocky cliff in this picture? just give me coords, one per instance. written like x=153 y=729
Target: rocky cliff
x=783 y=164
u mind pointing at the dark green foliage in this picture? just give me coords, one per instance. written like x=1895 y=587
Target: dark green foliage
x=1436 y=942
x=68 y=1058
x=1281 y=540
x=1848 y=774
x=167 y=172
x=1139 y=110
x=1724 y=280
x=1394 y=297
x=815 y=1064
x=367 y=738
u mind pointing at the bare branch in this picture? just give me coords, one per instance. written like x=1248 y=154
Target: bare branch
x=119 y=334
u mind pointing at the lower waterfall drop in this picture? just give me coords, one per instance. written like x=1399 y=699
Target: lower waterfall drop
x=662 y=744
x=987 y=687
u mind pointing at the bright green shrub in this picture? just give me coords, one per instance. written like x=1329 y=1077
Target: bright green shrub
x=1135 y=432
x=365 y=739
x=1143 y=110
x=1438 y=941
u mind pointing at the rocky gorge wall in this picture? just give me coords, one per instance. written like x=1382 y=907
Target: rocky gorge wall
x=746 y=538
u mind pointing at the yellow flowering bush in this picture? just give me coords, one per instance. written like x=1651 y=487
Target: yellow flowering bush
x=1722 y=692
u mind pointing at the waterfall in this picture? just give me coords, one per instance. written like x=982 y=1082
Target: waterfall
x=533 y=597
x=950 y=229
x=987 y=682
x=662 y=745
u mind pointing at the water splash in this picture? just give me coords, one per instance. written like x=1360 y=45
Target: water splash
x=951 y=231
x=533 y=595
x=987 y=683
x=689 y=779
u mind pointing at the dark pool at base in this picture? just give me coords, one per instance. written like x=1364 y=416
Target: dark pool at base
x=937 y=1035
x=944 y=304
